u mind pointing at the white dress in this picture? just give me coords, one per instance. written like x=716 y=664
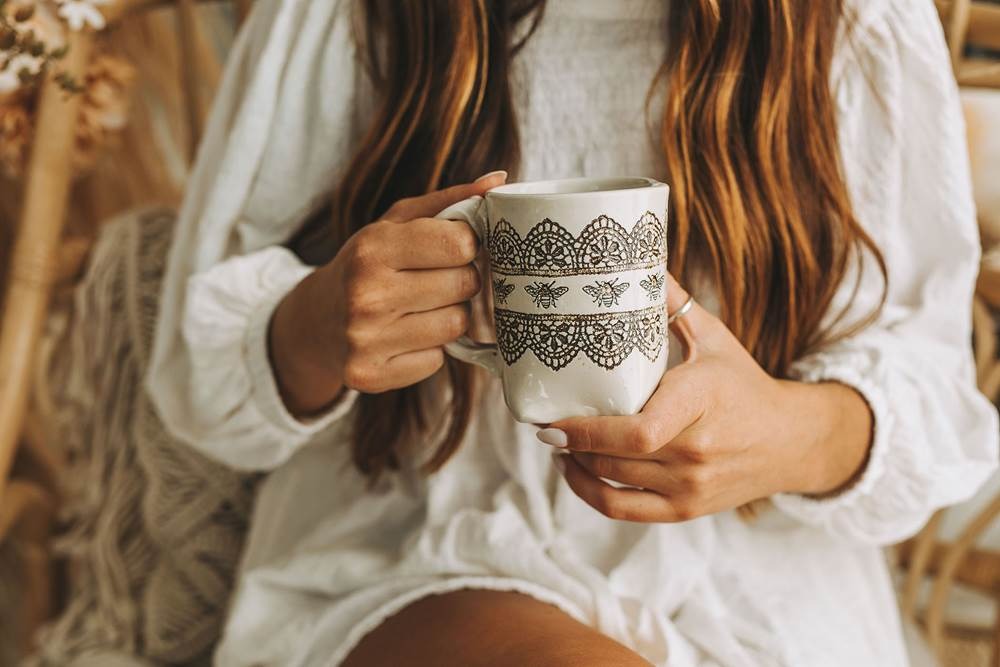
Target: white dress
x=328 y=559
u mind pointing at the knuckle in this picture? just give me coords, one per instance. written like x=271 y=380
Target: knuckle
x=457 y=321
x=607 y=503
x=470 y=284
x=436 y=361
x=612 y=512
x=462 y=244
x=696 y=448
x=696 y=481
x=356 y=340
x=368 y=245
x=620 y=511
x=363 y=301
x=602 y=466
x=582 y=437
x=400 y=207
x=634 y=515
x=685 y=510
x=361 y=376
x=646 y=435
x=354 y=300
x=697 y=454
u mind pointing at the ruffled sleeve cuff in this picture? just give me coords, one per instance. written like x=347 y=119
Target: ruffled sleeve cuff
x=934 y=442
x=820 y=510
x=265 y=393
x=238 y=414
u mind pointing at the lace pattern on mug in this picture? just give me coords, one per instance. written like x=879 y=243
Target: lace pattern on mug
x=604 y=246
x=556 y=339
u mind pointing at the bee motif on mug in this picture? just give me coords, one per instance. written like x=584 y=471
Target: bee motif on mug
x=653 y=284
x=545 y=295
x=501 y=290
x=606 y=292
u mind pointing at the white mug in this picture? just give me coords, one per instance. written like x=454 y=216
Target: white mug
x=578 y=273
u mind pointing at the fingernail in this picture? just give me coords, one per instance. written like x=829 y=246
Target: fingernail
x=559 y=462
x=553 y=437
x=498 y=172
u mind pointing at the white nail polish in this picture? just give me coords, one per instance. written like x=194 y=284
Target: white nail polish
x=498 y=172
x=553 y=437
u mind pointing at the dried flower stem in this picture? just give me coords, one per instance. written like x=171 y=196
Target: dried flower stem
x=18 y=40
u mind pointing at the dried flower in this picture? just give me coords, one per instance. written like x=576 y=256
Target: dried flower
x=15 y=138
x=32 y=41
x=31 y=29
x=17 y=69
x=81 y=13
x=8 y=38
x=23 y=13
x=106 y=93
x=27 y=41
x=105 y=106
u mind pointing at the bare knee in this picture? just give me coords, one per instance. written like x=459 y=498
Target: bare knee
x=477 y=628
x=572 y=652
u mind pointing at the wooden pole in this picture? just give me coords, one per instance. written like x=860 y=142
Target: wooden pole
x=32 y=269
x=983 y=25
x=923 y=547
x=979 y=73
x=187 y=36
x=957 y=27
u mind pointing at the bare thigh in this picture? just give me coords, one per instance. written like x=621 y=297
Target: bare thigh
x=477 y=628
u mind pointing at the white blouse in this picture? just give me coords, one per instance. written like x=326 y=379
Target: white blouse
x=329 y=558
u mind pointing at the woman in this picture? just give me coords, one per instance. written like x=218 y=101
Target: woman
x=820 y=206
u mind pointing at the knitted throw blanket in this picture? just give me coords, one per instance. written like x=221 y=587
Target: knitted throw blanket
x=154 y=529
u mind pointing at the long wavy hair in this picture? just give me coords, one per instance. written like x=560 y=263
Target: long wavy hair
x=758 y=199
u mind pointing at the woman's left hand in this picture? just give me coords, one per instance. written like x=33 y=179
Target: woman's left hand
x=718 y=432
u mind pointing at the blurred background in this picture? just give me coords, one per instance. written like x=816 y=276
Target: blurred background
x=101 y=111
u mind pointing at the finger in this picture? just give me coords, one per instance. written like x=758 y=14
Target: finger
x=410 y=368
x=621 y=504
x=684 y=327
x=396 y=372
x=419 y=331
x=641 y=474
x=630 y=436
x=432 y=203
x=698 y=329
x=431 y=243
x=429 y=289
x=676 y=404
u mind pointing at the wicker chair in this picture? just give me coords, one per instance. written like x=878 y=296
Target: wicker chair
x=40 y=259
x=935 y=567
x=977 y=24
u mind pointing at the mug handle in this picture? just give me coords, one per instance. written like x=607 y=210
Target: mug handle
x=472 y=211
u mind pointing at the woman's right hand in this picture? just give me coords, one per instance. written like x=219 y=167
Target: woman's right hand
x=376 y=317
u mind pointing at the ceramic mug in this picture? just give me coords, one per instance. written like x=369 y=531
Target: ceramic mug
x=578 y=273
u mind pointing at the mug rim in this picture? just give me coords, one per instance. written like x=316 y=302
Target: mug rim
x=604 y=187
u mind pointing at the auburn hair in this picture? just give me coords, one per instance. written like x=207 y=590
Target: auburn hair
x=758 y=199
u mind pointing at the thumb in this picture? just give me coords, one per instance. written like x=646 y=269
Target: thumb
x=432 y=203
